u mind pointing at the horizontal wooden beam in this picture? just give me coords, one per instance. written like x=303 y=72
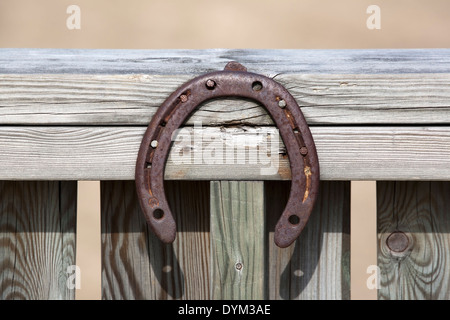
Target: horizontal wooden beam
x=109 y=153
x=270 y=61
x=80 y=114
x=338 y=99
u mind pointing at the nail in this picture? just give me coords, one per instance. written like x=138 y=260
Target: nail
x=210 y=84
x=303 y=151
x=183 y=98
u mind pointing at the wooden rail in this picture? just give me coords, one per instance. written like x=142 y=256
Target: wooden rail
x=80 y=114
x=109 y=153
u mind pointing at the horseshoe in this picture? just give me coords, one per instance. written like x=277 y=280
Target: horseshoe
x=233 y=81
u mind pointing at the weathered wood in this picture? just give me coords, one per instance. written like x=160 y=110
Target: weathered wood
x=37 y=239
x=345 y=153
x=341 y=99
x=416 y=268
x=270 y=61
x=238 y=240
x=135 y=264
x=317 y=265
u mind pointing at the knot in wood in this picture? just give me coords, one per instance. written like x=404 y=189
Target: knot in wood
x=397 y=241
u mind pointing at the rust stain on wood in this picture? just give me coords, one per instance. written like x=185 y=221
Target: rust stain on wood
x=307 y=171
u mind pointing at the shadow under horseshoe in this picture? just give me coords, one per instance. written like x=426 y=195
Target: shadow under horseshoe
x=297 y=265
x=136 y=264
x=189 y=201
x=167 y=269
x=301 y=264
x=300 y=269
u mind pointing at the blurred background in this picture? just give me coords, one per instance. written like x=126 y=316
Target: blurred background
x=154 y=24
x=198 y=24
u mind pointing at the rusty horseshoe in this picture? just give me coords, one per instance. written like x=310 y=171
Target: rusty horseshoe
x=233 y=81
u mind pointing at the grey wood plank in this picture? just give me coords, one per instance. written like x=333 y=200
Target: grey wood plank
x=37 y=239
x=317 y=265
x=439 y=210
x=268 y=61
x=238 y=240
x=338 y=99
x=136 y=264
x=416 y=265
x=109 y=153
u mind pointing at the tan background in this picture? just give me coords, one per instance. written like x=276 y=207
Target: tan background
x=224 y=24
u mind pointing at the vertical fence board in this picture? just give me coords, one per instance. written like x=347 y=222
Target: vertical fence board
x=135 y=264
x=37 y=239
x=317 y=265
x=237 y=240
x=417 y=267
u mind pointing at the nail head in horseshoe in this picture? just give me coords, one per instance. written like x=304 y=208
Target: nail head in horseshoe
x=233 y=81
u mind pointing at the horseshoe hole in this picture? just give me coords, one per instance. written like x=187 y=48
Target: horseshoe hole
x=257 y=86
x=210 y=84
x=158 y=214
x=293 y=219
x=184 y=96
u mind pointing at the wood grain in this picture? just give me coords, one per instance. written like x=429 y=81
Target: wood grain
x=37 y=239
x=419 y=210
x=317 y=265
x=238 y=240
x=268 y=61
x=108 y=153
x=135 y=264
x=338 y=99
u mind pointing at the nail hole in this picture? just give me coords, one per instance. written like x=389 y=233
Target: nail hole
x=293 y=219
x=257 y=86
x=298 y=273
x=158 y=214
x=148 y=165
x=163 y=123
x=303 y=151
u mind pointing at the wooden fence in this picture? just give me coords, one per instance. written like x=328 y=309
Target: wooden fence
x=68 y=115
